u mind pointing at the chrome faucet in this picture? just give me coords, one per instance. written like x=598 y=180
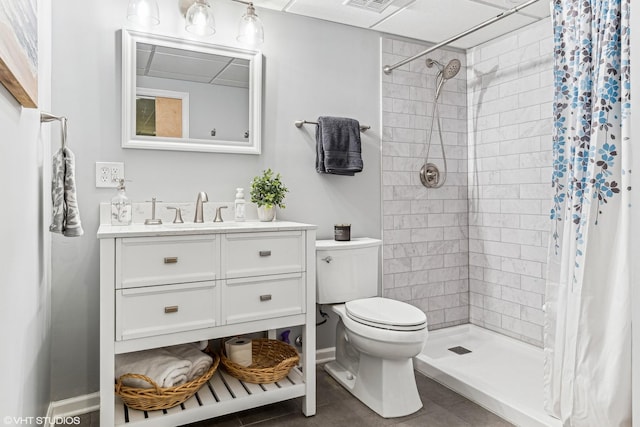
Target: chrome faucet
x=202 y=198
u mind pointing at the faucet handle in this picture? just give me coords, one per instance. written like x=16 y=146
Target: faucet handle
x=218 y=217
x=178 y=219
x=153 y=220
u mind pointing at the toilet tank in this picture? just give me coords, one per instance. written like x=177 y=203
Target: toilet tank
x=346 y=270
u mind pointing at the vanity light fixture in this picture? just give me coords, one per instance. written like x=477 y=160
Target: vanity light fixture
x=144 y=12
x=199 y=19
x=250 y=30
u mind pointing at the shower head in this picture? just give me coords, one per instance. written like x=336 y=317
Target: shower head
x=448 y=71
x=451 y=69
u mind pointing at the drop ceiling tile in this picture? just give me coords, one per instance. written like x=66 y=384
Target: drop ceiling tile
x=539 y=10
x=271 y=4
x=179 y=76
x=337 y=11
x=237 y=73
x=438 y=20
x=166 y=63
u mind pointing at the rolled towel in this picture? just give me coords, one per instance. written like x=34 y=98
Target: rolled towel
x=162 y=366
x=65 y=217
x=200 y=362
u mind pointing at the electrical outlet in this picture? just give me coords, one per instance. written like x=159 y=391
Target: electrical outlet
x=109 y=174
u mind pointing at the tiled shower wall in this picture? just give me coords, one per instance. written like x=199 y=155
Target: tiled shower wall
x=510 y=93
x=425 y=230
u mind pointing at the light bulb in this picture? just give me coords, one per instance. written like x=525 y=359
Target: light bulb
x=250 y=30
x=143 y=12
x=199 y=19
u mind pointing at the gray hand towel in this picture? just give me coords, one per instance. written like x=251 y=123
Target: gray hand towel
x=338 y=147
x=65 y=213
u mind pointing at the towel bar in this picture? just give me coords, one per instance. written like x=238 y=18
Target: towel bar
x=299 y=124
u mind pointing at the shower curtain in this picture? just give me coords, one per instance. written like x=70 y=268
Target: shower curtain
x=587 y=327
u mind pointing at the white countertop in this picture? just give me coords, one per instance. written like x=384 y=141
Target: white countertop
x=170 y=229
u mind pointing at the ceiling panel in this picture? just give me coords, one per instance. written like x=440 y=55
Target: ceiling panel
x=427 y=20
x=537 y=10
x=438 y=20
x=337 y=11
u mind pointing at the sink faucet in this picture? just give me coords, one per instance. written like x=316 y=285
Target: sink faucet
x=202 y=198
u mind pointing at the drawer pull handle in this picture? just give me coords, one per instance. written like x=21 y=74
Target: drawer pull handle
x=170 y=260
x=265 y=253
x=265 y=297
x=171 y=309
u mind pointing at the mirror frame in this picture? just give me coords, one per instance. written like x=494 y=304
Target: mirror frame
x=131 y=140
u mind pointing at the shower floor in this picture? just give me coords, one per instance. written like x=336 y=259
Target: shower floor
x=500 y=373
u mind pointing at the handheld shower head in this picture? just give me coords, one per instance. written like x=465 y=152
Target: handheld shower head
x=448 y=71
x=451 y=69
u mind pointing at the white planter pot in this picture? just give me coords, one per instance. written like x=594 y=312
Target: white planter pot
x=266 y=214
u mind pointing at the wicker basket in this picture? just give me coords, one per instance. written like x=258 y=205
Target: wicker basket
x=155 y=398
x=272 y=361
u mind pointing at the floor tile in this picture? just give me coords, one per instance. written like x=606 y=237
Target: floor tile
x=442 y=407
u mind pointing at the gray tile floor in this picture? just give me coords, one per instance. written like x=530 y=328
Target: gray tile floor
x=337 y=407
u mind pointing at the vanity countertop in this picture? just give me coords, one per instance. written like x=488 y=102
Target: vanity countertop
x=142 y=230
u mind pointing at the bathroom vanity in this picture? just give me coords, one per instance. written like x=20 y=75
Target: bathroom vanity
x=168 y=284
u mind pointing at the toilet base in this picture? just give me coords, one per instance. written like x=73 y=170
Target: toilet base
x=386 y=386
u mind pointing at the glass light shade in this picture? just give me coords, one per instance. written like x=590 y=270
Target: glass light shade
x=199 y=19
x=143 y=12
x=250 y=30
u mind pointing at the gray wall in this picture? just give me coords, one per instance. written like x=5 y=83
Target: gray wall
x=510 y=122
x=311 y=68
x=25 y=243
x=425 y=230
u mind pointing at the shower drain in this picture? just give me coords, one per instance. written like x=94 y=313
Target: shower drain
x=459 y=350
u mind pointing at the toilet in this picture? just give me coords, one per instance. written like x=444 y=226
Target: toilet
x=376 y=338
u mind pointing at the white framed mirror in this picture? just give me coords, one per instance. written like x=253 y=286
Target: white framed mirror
x=187 y=95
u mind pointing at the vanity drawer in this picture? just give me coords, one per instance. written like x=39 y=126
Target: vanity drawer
x=254 y=254
x=158 y=310
x=263 y=297
x=146 y=261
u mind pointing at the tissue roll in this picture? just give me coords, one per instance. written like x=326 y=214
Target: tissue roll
x=239 y=351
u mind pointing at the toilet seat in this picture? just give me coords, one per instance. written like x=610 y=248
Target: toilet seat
x=386 y=313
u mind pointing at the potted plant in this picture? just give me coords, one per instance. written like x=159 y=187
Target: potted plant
x=267 y=191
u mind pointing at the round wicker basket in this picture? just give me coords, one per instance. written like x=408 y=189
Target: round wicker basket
x=272 y=361
x=155 y=398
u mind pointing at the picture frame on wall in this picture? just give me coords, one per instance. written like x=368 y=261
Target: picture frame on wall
x=19 y=50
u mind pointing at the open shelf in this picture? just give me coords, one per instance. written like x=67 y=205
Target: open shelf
x=222 y=394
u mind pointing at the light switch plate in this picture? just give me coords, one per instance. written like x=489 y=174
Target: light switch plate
x=109 y=174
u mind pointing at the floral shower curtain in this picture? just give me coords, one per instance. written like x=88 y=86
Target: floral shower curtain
x=587 y=309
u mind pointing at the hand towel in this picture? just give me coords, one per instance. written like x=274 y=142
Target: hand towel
x=338 y=146
x=65 y=212
x=159 y=364
x=200 y=362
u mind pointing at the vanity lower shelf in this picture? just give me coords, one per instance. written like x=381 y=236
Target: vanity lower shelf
x=222 y=394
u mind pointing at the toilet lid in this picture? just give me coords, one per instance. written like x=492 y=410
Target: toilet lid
x=386 y=314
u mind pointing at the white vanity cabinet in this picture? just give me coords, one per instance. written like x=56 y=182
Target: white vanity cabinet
x=162 y=285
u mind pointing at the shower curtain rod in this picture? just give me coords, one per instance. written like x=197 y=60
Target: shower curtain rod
x=388 y=68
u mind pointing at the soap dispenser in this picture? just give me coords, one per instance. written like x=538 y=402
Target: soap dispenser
x=121 y=209
x=239 y=205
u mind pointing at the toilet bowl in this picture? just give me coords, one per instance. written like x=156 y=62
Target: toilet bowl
x=376 y=338
x=376 y=365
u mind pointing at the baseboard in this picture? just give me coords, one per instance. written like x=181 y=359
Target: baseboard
x=72 y=407
x=91 y=402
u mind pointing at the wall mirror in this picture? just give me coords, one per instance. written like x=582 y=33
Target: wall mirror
x=190 y=96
